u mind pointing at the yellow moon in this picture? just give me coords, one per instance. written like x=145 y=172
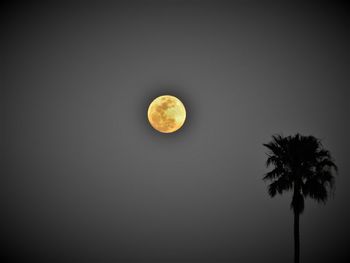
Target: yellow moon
x=166 y=114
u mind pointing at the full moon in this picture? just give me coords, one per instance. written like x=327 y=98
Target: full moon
x=166 y=114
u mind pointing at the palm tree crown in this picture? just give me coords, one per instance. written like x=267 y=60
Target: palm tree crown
x=302 y=164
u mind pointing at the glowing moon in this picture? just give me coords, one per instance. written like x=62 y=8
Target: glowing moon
x=166 y=114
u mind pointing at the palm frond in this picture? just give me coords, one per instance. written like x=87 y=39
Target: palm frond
x=274 y=174
x=279 y=186
x=273 y=160
x=322 y=153
x=326 y=163
x=316 y=190
x=326 y=178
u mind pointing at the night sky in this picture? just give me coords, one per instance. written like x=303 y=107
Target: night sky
x=85 y=178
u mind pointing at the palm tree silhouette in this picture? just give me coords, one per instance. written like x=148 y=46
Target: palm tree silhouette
x=302 y=165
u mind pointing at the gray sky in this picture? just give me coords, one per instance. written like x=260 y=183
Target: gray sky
x=86 y=179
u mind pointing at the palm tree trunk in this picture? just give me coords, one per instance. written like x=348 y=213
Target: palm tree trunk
x=296 y=238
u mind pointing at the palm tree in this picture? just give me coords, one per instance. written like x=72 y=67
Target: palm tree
x=301 y=165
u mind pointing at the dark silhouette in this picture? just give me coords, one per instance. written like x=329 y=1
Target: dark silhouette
x=302 y=165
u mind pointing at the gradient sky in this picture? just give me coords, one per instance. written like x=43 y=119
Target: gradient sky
x=84 y=177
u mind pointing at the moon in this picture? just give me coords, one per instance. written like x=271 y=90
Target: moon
x=166 y=114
